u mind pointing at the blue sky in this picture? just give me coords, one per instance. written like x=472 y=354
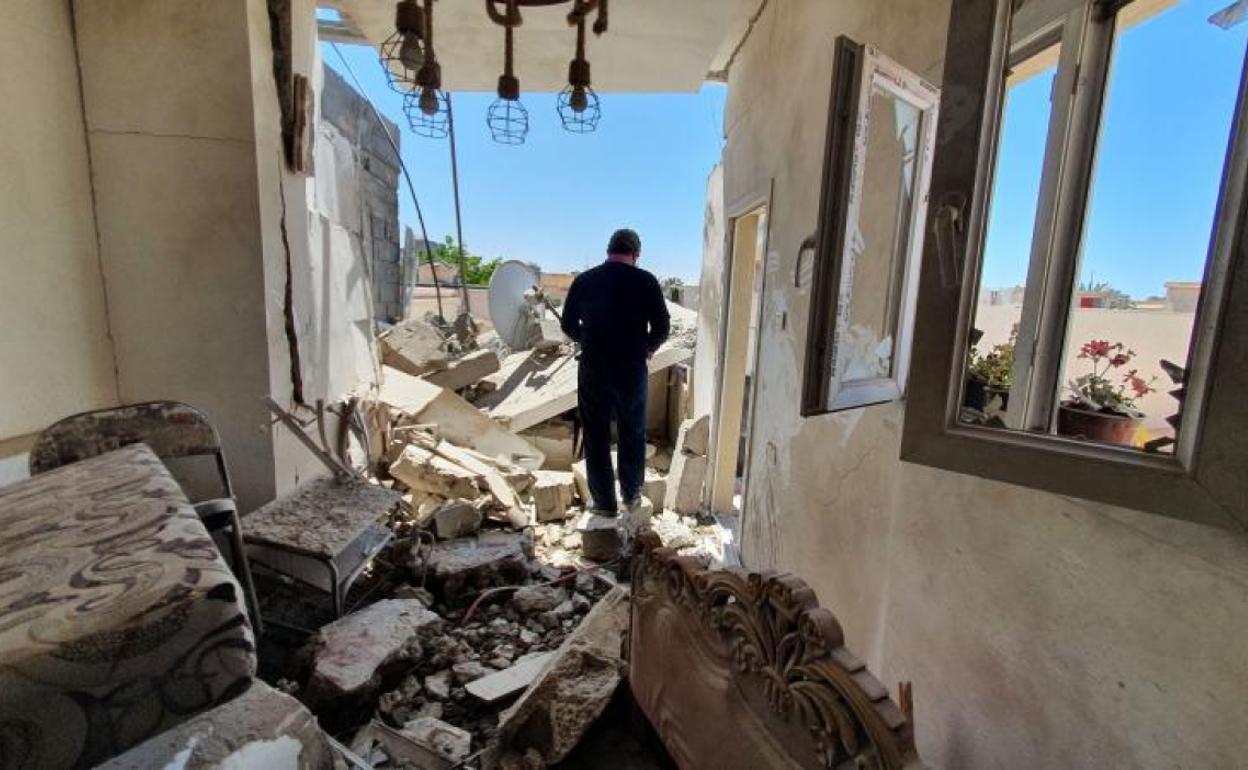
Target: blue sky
x=556 y=199
x=1166 y=126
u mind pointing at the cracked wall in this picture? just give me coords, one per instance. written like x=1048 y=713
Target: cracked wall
x=1039 y=631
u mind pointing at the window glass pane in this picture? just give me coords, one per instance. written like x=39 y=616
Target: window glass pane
x=1011 y=223
x=1166 y=121
x=880 y=239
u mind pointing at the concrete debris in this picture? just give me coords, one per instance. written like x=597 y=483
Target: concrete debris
x=414 y=347
x=465 y=371
x=571 y=691
x=534 y=599
x=424 y=471
x=553 y=495
x=261 y=728
x=695 y=436
x=685 y=482
x=382 y=746
x=349 y=654
x=556 y=439
x=450 y=741
x=601 y=539
x=418 y=401
x=456 y=518
x=466 y=331
x=508 y=682
x=456 y=567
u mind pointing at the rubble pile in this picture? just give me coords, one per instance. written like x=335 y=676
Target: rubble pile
x=490 y=631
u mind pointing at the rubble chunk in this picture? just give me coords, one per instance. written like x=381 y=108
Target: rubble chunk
x=383 y=746
x=456 y=518
x=491 y=559
x=427 y=472
x=439 y=685
x=466 y=370
x=414 y=347
x=601 y=539
x=468 y=671
x=497 y=686
x=531 y=599
x=571 y=691
x=695 y=436
x=553 y=494
x=684 y=483
x=448 y=740
x=556 y=439
x=350 y=653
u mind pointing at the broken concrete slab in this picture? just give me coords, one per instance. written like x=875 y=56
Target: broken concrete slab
x=570 y=692
x=466 y=370
x=349 y=655
x=261 y=728
x=497 y=478
x=458 y=421
x=684 y=483
x=382 y=746
x=695 y=436
x=500 y=685
x=532 y=599
x=553 y=495
x=450 y=741
x=456 y=518
x=534 y=387
x=414 y=347
x=601 y=539
x=556 y=439
x=492 y=559
x=427 y=472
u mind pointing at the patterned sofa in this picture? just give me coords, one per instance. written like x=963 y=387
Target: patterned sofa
x=118 y=616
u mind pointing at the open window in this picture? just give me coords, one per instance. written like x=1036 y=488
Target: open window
x=1078 y=302
x=881 y=126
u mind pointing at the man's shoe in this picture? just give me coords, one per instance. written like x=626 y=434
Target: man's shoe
x=610 y=513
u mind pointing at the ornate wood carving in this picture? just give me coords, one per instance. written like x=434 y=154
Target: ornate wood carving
x=778 y=648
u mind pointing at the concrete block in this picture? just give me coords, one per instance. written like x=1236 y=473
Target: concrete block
x=555 y=439
x=424 y=471
x=466 y=370
x=496 y=687
x=601 y=539
x=348 y=655
x=684 y=483
x=262 y=728
x=553 y=494
x=450 y=741
x=491 y=559
x=456 y=518
x=414 y=347
x=695 y=436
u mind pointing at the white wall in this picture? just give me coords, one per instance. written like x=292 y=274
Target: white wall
x=56 y=357
x=1039 y=631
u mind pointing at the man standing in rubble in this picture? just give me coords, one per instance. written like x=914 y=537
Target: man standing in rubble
x=617 y=313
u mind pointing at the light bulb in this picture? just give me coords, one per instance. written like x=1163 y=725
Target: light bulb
x=429 y=101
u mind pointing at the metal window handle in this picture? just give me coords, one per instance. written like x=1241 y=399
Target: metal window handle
x=949 y=235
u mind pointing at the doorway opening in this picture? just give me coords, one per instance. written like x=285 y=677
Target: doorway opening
x=740 y=334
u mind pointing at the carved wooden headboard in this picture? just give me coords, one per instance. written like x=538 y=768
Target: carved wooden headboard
x=746 y=670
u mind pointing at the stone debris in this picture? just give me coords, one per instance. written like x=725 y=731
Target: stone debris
x=382 y=746
x=695 y=436
x=450 y=741
x=556 y=439
x=601 y=538
x=456 y=518
x=570 y=692
x=466 y=371
x=502 y=684
x=414 y=347
x=473 y=564
x=685 y=482
x=554 y=493
x=349 y=655
x=423 y=471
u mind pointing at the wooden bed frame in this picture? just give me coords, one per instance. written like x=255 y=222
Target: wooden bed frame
x=746 y=670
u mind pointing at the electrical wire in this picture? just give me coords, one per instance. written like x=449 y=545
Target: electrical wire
x=411 y=188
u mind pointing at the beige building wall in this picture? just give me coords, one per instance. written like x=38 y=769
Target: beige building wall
x=1039 y=631
x=56 y=357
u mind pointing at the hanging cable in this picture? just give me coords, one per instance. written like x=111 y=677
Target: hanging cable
x=459 y=225
x=411 y=188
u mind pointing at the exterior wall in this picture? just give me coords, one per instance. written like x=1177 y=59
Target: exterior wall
x=1039 y=631
x=56 y=356
x=373 y=171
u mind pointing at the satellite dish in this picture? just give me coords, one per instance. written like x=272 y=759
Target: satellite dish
x=509 y=311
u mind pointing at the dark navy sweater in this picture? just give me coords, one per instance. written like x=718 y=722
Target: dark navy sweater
x=617 y=314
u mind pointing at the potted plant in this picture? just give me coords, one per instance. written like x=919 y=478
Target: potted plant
x=1101 y=406
x=990 y=374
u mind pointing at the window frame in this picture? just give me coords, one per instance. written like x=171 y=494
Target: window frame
x=1205 y=479
x=858 y=69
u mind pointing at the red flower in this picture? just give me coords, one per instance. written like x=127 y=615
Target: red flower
x=1119 y=359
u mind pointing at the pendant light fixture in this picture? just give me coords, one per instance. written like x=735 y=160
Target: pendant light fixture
x=403 y=52
x=578 y=106
x=507 y=117
x=426 y=105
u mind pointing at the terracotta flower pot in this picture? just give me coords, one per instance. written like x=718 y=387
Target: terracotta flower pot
x=1097 y=426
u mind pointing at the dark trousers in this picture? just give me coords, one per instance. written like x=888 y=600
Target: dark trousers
x=613 y=392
